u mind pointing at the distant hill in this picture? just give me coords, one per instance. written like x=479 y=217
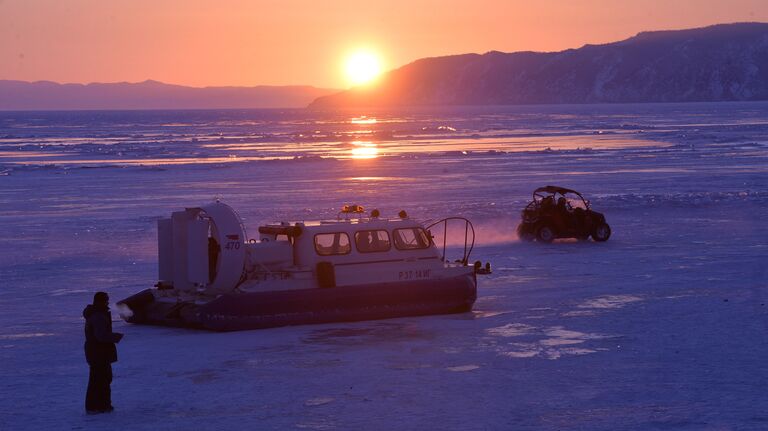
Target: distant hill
x=727 y=62
x=20 y=95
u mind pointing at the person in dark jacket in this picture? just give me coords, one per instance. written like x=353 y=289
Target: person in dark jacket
x=100 y=352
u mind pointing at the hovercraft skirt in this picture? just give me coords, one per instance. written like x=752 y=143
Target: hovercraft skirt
x=242 y=311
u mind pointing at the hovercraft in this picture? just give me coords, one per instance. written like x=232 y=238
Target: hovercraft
x=357 y=267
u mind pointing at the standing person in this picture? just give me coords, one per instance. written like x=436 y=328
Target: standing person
x=100 y=352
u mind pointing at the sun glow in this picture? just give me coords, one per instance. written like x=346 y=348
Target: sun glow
x=364 y=150
x=362 y=67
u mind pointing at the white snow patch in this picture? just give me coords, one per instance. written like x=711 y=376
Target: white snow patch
x=558 y=353
x=318 y=401
x=523 y=350
x=610 y=301
x=550 y=344
x=20 y=336
x=316 y=425
x=511 y=330
x=60 y=292
x=460 y=368
x=579 y=313
x=408 y=366
x=486 y=314
x=560 y=341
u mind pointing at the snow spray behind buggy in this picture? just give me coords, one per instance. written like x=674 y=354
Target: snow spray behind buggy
x=349 y=269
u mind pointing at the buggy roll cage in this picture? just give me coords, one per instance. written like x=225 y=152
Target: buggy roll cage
x=469 y=243
x=543 y=192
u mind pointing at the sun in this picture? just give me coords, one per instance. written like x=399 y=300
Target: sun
x=362 y=67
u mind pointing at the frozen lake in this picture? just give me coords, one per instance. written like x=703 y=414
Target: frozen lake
x=662 y=327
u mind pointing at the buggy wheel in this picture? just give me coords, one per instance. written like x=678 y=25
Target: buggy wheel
x=524 y=233
x=602 y=233
x=545 y=233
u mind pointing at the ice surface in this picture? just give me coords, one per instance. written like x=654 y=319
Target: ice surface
x=662 y=327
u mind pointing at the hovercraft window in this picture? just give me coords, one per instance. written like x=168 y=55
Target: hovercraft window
x=411 y=239
x=328 y=244
x=369 y=241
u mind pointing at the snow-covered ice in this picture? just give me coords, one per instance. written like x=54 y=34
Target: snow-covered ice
x=662 y=327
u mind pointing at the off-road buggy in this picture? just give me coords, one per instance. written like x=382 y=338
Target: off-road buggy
x=557 y=212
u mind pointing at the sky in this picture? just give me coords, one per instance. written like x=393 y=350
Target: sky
x=297 y=42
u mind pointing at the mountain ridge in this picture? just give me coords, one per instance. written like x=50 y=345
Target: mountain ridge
x=723 y=62
x=150 y=94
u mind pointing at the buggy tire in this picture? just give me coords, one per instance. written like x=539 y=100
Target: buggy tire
x=525 y=234
x=602 y=233
x=545 y=233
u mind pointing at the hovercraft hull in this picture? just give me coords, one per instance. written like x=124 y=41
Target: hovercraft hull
x=243 y=311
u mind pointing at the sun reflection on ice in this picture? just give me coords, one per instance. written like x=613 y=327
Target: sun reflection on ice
x=363 y=120
x=364 y=150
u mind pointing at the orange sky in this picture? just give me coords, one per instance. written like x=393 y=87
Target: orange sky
x=239 y=42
